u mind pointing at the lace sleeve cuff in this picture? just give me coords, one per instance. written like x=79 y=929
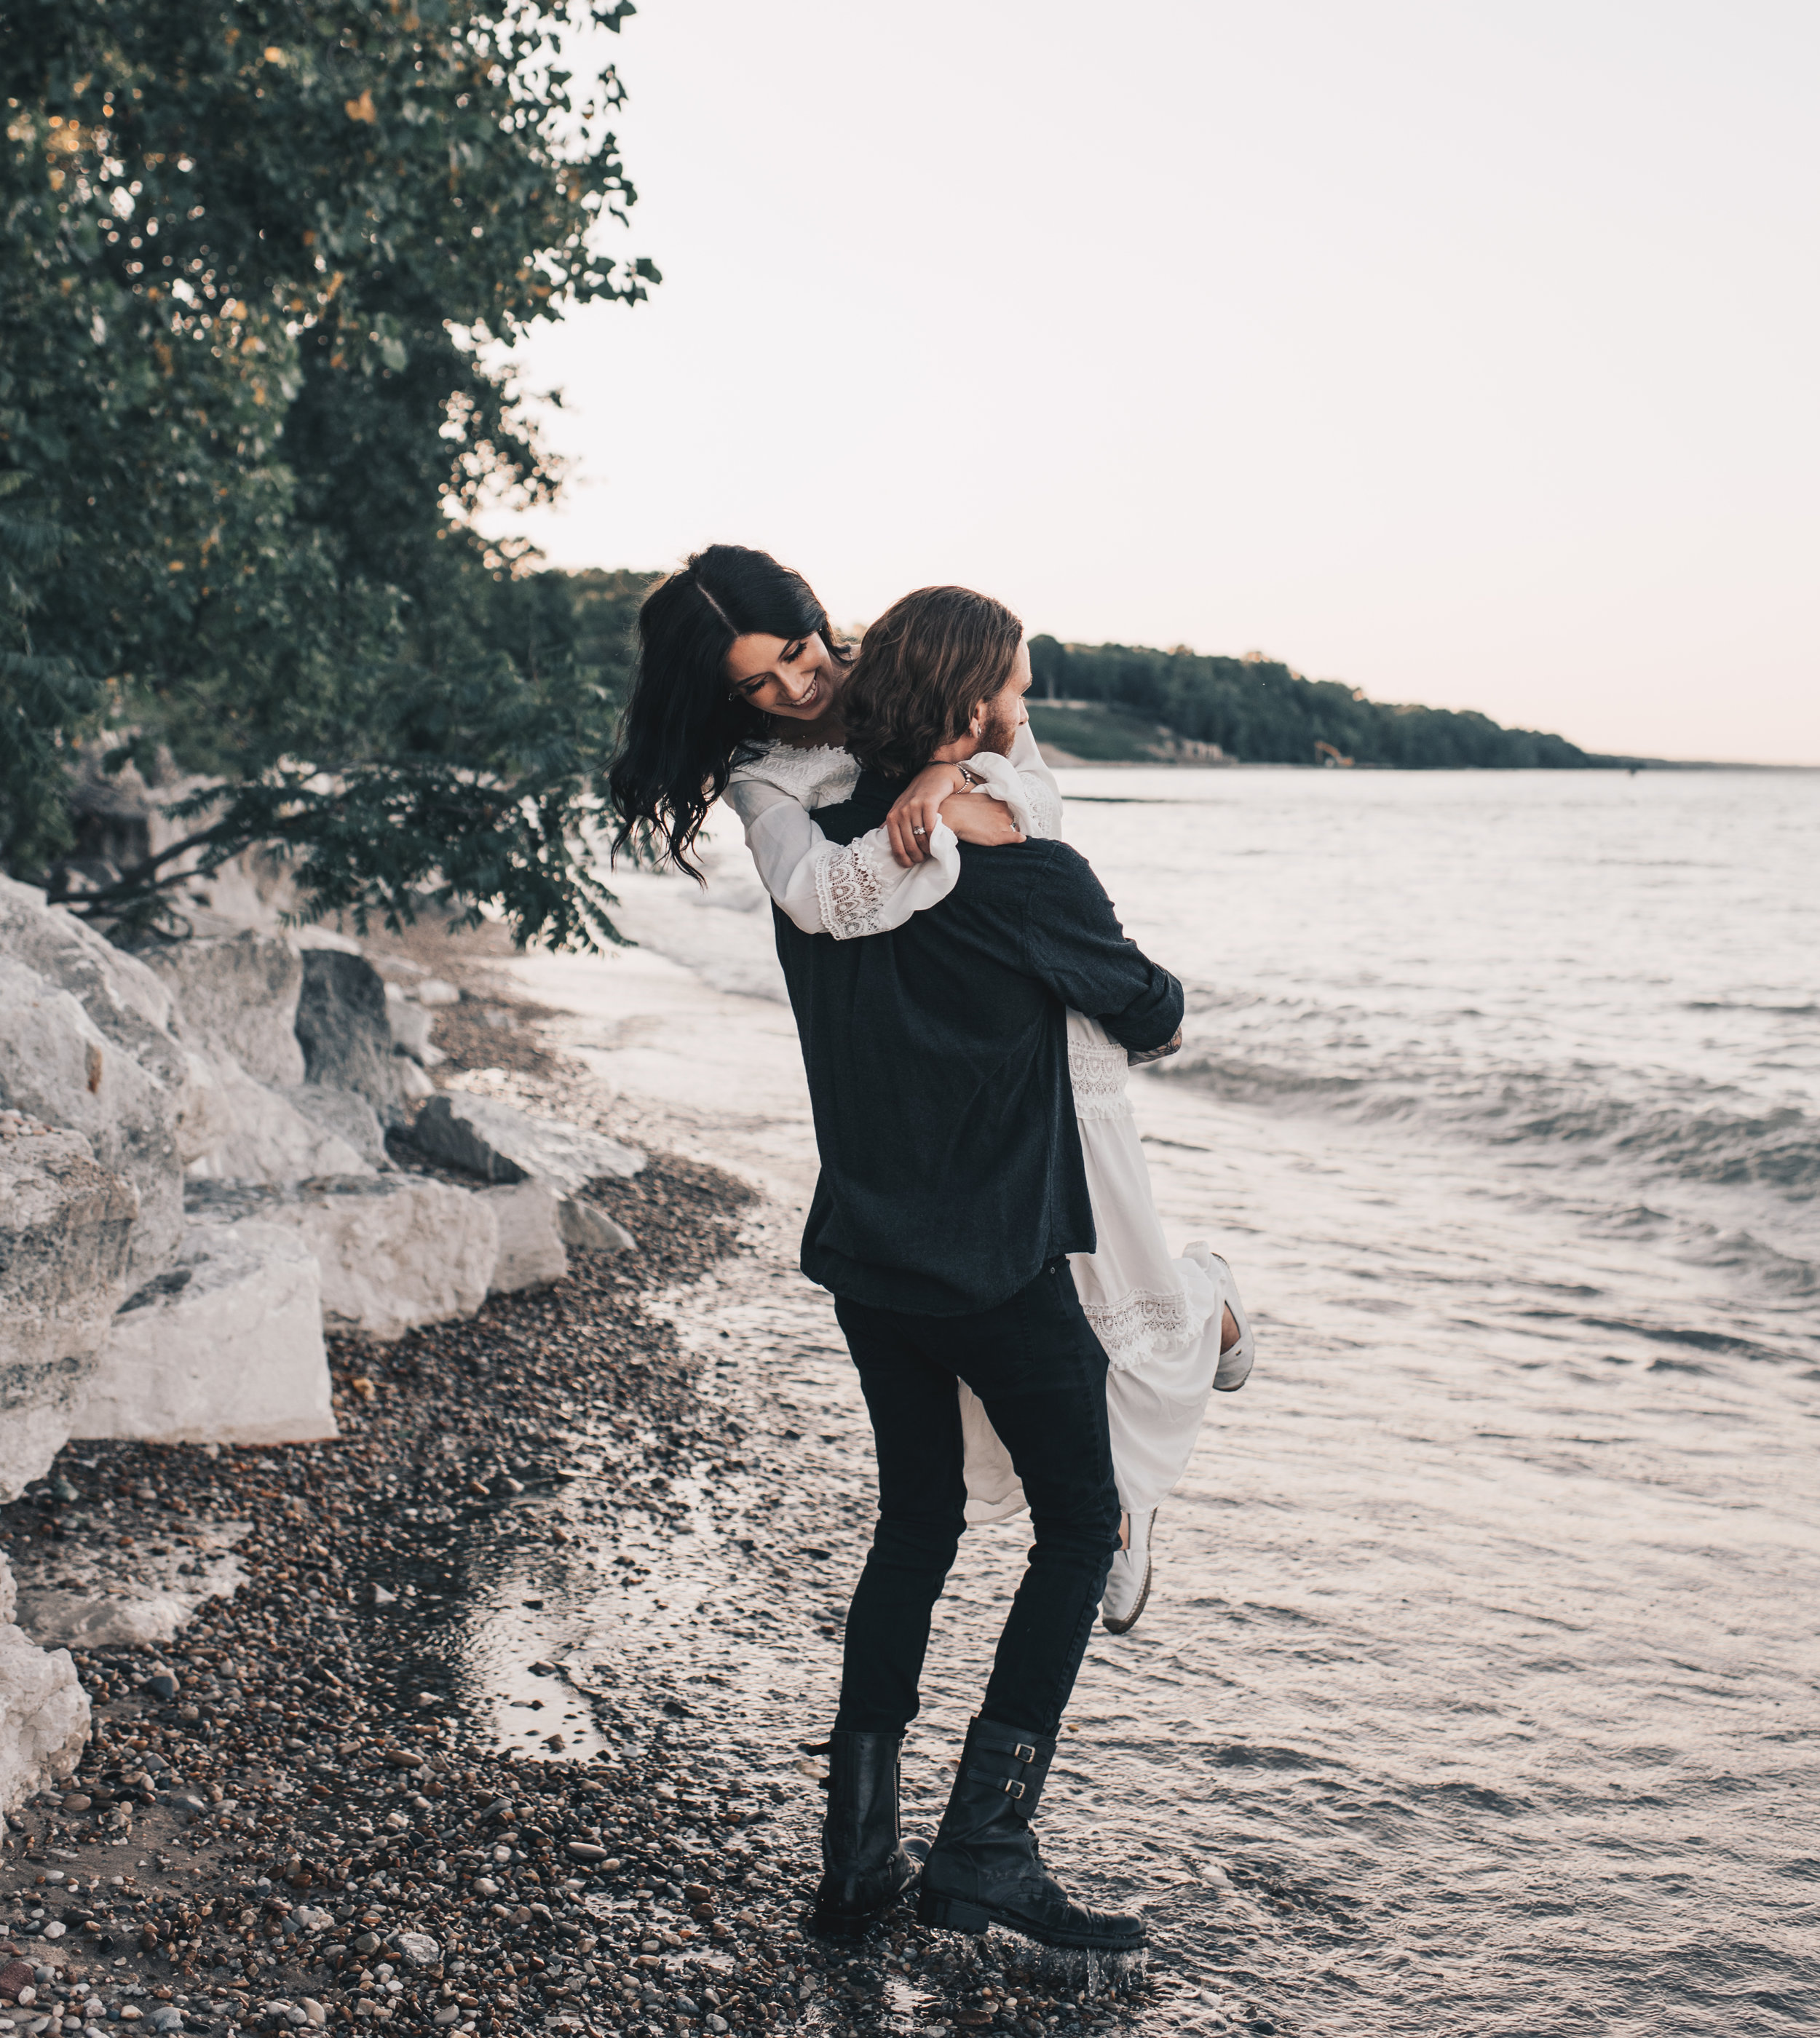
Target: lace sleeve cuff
x=862 y=890
x=1035 y=805
x=1046 y=805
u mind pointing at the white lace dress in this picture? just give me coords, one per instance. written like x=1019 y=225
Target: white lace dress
x=1157 y=1316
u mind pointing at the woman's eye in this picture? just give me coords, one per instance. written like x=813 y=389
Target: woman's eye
x=792 y=652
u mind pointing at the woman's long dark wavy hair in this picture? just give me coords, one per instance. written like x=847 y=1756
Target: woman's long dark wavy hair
x=684 y=729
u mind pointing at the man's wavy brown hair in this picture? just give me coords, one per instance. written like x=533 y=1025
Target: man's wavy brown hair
x=924 y=667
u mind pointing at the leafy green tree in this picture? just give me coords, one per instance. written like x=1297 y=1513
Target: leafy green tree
x=43 y=697
x=262 y=262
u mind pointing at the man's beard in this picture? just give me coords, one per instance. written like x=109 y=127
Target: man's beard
x=1000 y=732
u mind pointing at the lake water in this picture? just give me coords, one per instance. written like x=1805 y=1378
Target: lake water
x=1477 y=1691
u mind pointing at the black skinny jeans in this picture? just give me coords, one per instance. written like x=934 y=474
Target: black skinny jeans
x=1042 y=1374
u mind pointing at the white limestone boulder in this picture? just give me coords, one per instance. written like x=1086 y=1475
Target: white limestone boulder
x=128 y=1082
x=285 y=1136
x=409 y=1023
x=344 y=1116
x=503 y=1144
x=223 y=1347
x=531 y=1250
x=44 y=1714
x=393 y=1251
x=345 y=1033
x=57 y=1066
x=65 y=1240
x=208 y=1116
x=84 y=1594
x=238 y=994
x=124 y=997
x=588 y=1229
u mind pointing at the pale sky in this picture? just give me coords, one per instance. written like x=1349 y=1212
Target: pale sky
x=1464 y=353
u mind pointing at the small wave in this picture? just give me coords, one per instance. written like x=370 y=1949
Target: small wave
x=1781 y=1273
x=1748 y=1004
x=1479 y=1796
x=1264 y=1082
x=1778 y=1148
x=1712 y=1342
x=1239 y=1757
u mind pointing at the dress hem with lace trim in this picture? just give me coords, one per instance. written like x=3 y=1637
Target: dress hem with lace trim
x=1142 y=1325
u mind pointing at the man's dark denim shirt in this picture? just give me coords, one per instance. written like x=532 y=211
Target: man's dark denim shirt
x=938 y=1062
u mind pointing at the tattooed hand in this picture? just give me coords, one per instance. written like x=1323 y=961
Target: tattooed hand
x=1134 y=1055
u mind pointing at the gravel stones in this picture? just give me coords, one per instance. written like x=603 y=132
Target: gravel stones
x=293 y=1761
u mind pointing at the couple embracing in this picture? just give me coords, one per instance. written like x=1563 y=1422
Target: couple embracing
x=969 y=1008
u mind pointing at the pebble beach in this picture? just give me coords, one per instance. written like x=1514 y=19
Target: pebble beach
x=399 y=1766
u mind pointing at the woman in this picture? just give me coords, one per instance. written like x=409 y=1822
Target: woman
x=738 y=693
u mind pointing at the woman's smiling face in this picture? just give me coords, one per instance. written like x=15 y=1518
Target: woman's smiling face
x=788 y=676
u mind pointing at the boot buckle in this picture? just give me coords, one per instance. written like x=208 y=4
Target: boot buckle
x=1013 y=1787
x=1024 y=1753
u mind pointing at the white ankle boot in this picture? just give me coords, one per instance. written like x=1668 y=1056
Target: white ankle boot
x=1128 y=1583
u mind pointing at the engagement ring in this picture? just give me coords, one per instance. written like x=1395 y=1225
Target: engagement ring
x=919 y=830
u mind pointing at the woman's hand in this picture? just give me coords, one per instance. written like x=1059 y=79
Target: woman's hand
x=978 y=818
x=918 y=808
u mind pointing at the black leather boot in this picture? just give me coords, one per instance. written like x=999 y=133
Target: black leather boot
x=984 y=1868
x=865 y=1867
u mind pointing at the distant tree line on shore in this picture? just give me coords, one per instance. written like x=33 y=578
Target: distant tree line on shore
x=1261 y=712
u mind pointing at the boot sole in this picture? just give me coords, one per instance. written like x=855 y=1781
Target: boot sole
x=955 y=1913
x=1131 y=1620
x=856 y=1924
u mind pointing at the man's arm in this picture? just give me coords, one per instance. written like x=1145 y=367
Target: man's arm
x=1072 y=942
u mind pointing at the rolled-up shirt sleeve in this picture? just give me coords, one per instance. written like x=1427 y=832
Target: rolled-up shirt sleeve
x=1071 y=940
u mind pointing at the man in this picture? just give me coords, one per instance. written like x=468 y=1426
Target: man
x=951 y=1191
